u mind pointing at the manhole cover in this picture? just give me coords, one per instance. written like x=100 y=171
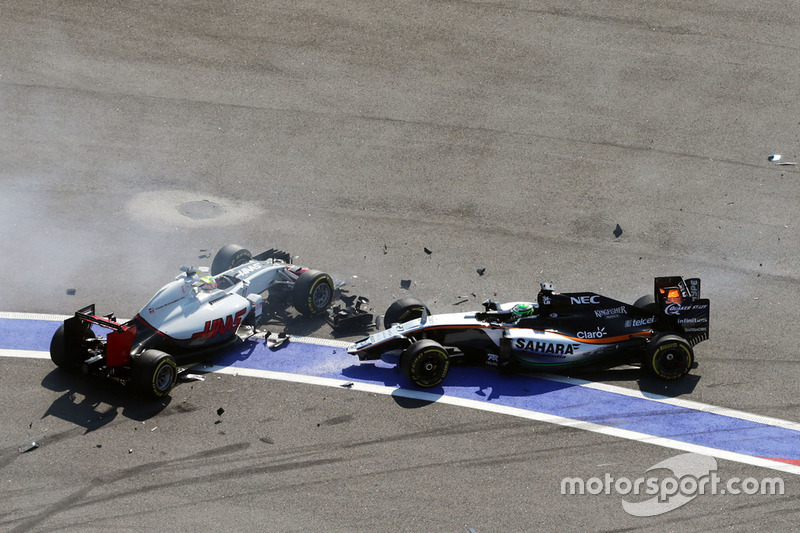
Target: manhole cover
x=200 y=210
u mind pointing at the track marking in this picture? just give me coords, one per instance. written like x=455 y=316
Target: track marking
x=492 y=407
x=505 y=410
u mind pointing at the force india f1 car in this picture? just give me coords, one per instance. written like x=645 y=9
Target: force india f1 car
x=199 y=312
x=557 y=332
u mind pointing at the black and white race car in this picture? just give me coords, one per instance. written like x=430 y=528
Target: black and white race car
x=557 y=332
x=199 y=312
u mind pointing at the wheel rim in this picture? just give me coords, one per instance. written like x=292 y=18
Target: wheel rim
x=671 y=362
x=164 y=378
x=321 y=296
x=429 y=369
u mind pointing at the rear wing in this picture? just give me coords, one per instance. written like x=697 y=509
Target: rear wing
x=118 y=342
x=681 y=308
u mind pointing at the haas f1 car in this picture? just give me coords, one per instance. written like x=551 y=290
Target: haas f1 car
x=201 y=311
x=557 y=332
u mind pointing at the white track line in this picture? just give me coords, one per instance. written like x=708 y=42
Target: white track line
x=495 y=408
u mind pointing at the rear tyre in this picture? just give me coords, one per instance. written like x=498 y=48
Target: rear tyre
x=228 y=257
x=154 y=374
x=403 y=310
x=647 y=303
x=69 y=355
x=668 y=356
x=313 y=293
x=425 y=363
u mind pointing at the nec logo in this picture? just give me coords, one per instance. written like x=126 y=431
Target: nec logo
x=584 y=300
x=220 y=326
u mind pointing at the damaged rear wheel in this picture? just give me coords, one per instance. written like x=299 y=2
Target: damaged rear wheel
x=69 y=353
x=154 y=374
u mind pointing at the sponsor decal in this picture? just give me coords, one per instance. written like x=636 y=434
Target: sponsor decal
x=676 y=309
x=693 y=320
x=162 y=306
x=697 y=330
x=493 y=359
x=554 y=349
x=249 y=269
x=584 y=300
x=637 y=322
x=610 y=313
x=220 y=326
x=599 y=334
x=546 y=300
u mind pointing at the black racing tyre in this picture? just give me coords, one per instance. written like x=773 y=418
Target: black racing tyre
x=228 y=257
x=313 y=293
x=647 y=303
x=154 y=374
x=403 y=310
x=668 y=356
x=69 y=355
x=425 y=363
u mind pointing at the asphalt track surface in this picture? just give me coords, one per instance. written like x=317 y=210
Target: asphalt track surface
x=513 y=137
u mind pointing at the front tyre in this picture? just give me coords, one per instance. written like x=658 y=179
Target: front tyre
x=425 y=363
x=154 y=374
x=69 y=354
x=313 y=293
x=403 y=310
x=228 y=257
x=668 y=356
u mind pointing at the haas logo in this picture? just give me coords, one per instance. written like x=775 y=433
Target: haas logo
x=220 y=326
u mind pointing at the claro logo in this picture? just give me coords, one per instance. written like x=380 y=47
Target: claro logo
x=220 y=326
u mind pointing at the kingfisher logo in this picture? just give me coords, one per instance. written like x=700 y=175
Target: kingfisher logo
x=220 y=326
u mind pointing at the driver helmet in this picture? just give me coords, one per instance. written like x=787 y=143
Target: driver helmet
x=208 y=283
x=523 y=310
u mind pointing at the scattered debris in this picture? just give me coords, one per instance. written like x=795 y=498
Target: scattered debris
x=220 y=411
x=186 y=376
x=348 y=385
x=461 y=302
x=405 y=284
x=385 y=249
x=481 y=271
x=30 y=445
x=352 y=316
x=617 y=231
x=71 y=292
x=776 y=158
x=427 y=250
x=275 y=342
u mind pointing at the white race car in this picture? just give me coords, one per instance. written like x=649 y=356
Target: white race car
x=201 y=311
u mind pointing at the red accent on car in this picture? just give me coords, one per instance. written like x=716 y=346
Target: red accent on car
x=118 y=346
x=220 y=326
